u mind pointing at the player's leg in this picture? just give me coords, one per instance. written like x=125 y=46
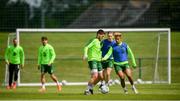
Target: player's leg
x=105 y=74
x=100 y=78
x=128 y=73
x=101 y=75
x=53 y=77
x=10 y=76
x=16 y=70
x=108 y=75
x=94 y=77
x=91 y=82
x=108 y=71
x=120 y=73
x=43 y=80
x=122 y=79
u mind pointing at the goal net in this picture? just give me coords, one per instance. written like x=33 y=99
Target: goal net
x=151 y=47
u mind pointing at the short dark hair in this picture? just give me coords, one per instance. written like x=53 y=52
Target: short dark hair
x=44 y=38
x=110 y=32
x=100 y=31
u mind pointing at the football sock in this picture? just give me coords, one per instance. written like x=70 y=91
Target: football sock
x=90 y=86
x=43 y=86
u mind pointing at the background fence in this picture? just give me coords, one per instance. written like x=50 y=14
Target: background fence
x=88 y=14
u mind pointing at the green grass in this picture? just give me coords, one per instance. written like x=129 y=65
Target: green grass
x=146 y=92
x=70 y=45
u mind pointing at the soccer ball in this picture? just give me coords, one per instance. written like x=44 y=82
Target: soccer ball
x=104 y=89
x=139 y=81
x=64 y=82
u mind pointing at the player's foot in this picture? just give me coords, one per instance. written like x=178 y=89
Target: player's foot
x=14 y=85
x=100 y=86
x=134 y=90
x=8 y=87
x=125 y=91
x=59 y=88
x=42 y=90
x=91 y=91
x=88 y=92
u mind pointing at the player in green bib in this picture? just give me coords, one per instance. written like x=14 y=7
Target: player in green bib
x=46 y=56
x=14 y=56
x=92 y=52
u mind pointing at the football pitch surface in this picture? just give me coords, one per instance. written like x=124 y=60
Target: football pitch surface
x=146 y=92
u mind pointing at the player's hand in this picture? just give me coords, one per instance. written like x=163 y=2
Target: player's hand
x=102 y=59
x=22 y=66
x=84 y=57
x=39 y=67
x=49 y=64
x=7 y=62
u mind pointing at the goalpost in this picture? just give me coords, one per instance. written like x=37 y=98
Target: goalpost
x=156 y=71
x=153 y=53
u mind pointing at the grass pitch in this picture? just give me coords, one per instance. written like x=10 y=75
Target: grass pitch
x=146 y=92
x=69 y=45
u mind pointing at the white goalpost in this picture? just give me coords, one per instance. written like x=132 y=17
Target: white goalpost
x=156 y=72
x=159 y=61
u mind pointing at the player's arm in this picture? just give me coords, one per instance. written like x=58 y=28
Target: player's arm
x=6 y=55
x=39 y=56
x=102 y=43
x=108 y=54
x=90 y=44
x=53 y=55
x=131 y=55
x=22 y=56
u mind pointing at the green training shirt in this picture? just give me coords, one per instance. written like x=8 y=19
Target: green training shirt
x=14 y=55
x=93 y=50
x=46 y=54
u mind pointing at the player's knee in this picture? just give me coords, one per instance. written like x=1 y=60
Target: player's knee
x=53 y=76
x=108 y=73
x=42 y=76
x=100 y=74
x=128 y=75
x=94 y=73
x=121 y=76
x=95 y=76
